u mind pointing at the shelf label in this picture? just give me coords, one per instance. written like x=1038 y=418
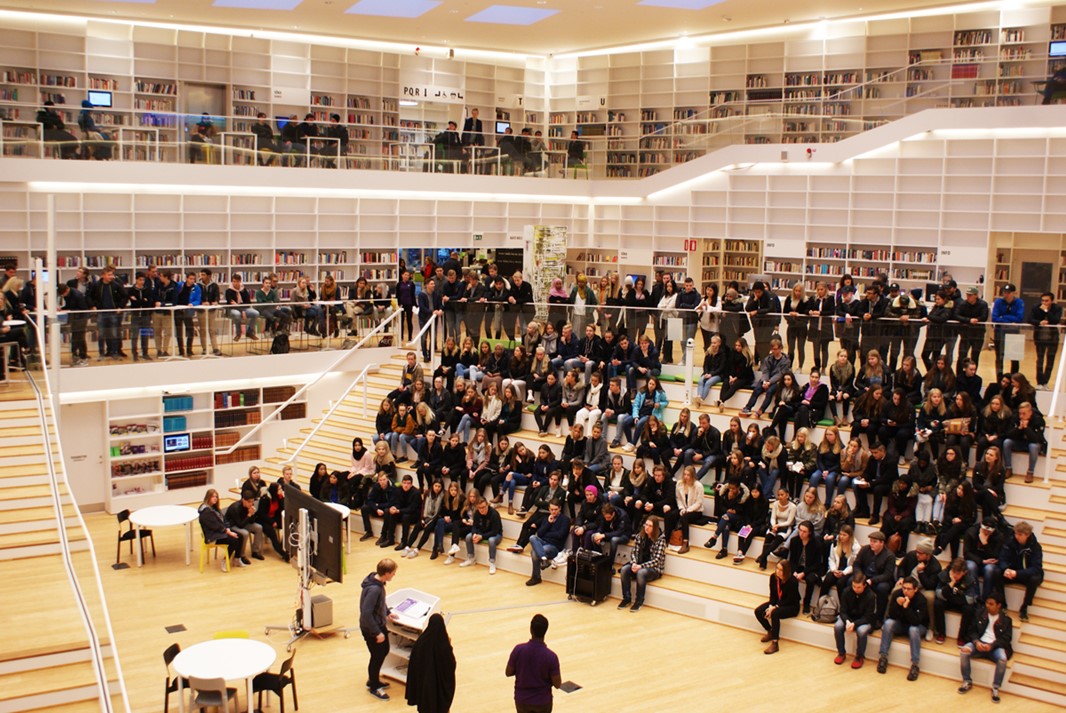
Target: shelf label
x=778 y=248
x=964 y=256
x=691 y=245
x=478 y=237
x=429 y=93
x=289 y=95
x=588 y=101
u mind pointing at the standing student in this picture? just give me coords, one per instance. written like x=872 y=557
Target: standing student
x=431 y=669
x=373 y=617
x=535 y=669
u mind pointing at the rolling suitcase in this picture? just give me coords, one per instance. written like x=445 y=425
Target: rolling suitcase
x=588 y=576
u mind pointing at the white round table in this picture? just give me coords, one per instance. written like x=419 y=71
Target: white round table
x=230 y=659
x=346 y=516
x=165 y=516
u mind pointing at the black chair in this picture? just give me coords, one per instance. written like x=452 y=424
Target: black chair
x=172 y=683
x=212 y=693
x=276 y=683
x=130 y=535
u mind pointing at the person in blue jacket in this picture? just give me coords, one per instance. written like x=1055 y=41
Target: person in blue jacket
x=649 y=401
x=1006 y=310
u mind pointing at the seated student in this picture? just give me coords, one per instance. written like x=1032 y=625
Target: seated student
x=769 y=462
x=453 y=461
x=621 y=358
x=268 y=513
x=486 y=526
x=959 y=515
x=801 y=461
x=757 y=514
x=856 y=615
x=880 y=473
x=924 y=567
x=383 y=461
x=449 y=362
x=467 y=413
x=549 y=540
x=785 y=404
x=899 y=513
x=254 y=483
x=841 y=388
x=646 y=364
x=549 y=490
x=412 y=372
x=450 y=513
x=509 y=419
x=956 y=590
x=596 y=457
x=994 y=424
x=879 y=565
x=215 y=530
x=647 y=560
x=518 y=373
x=573 y=395
x=403 y=424
x=277 y=319
x=836 y=517
x=595 y=395
x=730 y=508
x=496 y=367
x=378 y=501
x=630 y=490
x=318 y=478
x=287 y=478
x=335 y=489
x=782 y=521
x=580 y=479
x=615 y=403
x=429 y=455
x=237 y=296
x=680 y=438
x=361 y=472
x=907 y=614
x=929 y=429
x=462 y=526
x=962 y=412
x=841 y=561
x=614 y=476
x=550 y=408
x=827 y=463
x=867 y=413
x=442 y=403
x=610 y=530
x=896 y=423
x=573 y=446
x=989 y=483
x=1026 y=434
x=784 y=603
x=240 y=518
x=518 y=470
x=430 y=512
x=587 y=513
x=909 y=379
x=704 y=450
x=487 y=477
x=982 y=546
x=1021 y=562
x=689 y=505
x=539 y=368
x=654 y=443
x=989 y=637
x=769 y=379
x=923 y=476
x=714 y=368
x=404 y=508
x=659 y=497
x=807 y=560
x=544 y=464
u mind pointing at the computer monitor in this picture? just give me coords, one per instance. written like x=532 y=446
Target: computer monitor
x=176 y=442
x=327 y=558
x=282 y=121
x=502 y=127
x=1057 y=49
x=98 y=98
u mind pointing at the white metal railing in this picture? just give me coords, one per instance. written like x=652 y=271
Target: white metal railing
x=367 y=370
x=345 y=354
x=48 y=418
x=416 y=341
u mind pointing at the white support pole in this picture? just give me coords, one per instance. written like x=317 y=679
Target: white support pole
x=690 y=367
x=1051 y=415
x=49 y=290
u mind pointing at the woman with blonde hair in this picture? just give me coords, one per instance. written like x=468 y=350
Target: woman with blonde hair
x=827 y=462
x=841 y=561
x=689 y=492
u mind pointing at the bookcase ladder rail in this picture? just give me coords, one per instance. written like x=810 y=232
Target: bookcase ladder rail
x=344 y=355
x=361 y=379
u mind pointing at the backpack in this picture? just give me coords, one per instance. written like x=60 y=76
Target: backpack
x=280 y=345
x=826 y=608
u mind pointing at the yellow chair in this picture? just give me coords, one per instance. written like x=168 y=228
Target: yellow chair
x=206 y=547
x=231 y=634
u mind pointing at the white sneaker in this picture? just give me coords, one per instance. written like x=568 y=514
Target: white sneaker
x=449 y=560
x=558 y=433
x=469 y=561
x=224 y=564
x=928 y=634
x=412 y=553
x=453 y=549
x=627 y=447
x=238 y=562
x=492 y=568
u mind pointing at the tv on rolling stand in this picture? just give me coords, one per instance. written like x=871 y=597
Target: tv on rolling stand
x=327 y=528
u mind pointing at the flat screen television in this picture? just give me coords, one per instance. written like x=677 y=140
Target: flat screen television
x=1057 y=49
x=176 y=442
x=326 y=558
x=282 y=121
x=502 y=127
x=98 y=98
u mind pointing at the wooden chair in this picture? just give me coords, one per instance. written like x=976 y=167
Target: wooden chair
x=207 y=547
x=276 y=683
x=212 y=693
x=172 y=683
x=129 y=535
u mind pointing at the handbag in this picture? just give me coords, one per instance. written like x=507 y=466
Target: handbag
x=676 y=538
x=895 y=542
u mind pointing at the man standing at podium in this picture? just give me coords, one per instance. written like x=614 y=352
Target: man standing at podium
x=373 y=616
x=535 y=668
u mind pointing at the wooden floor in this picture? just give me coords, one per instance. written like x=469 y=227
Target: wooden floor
x=625 y=662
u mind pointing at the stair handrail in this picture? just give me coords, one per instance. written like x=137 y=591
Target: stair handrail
x=345 y=354
x=99 y=667
x=416 y=341
x=362 y=377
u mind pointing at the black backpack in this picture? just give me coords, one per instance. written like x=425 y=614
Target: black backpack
x=280 y=345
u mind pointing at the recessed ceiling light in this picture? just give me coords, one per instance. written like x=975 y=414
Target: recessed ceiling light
x=393 y=8
x=681 y=4
x=511 y=15
x=259 y=4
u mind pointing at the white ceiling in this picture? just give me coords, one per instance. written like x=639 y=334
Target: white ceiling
x=579 y=24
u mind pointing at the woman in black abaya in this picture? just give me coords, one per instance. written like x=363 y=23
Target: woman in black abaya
x=431 y=670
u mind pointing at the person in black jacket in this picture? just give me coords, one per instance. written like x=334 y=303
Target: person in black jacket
x=240 y=518
x=991 y=623
x=431 y=669
x=264 y=140
x=907 y=614
x=971 y=314
x=955 y=590
x=982 y=545
x=378 y=501
x=75 y=305
x=807 y=560
x=141 y=300
x=784 y=603
x=1021 y=562
x=405 y=507
x=822 y=308
x=1026 y=433
x=374 y=616
x=1045 y=318
x=55 y=131
x=550 y=408
x=521 y=307
x=881 y=472
x=879 y=565
x=215 y=530
x=109 y=296
x=856 y=614
x=429 y=305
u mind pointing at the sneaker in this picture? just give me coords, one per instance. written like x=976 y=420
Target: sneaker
x=738 y=558
x=616 y=444
x=623 y=604
x=966 y=686
x=928 y=634
x=840 y=659
x=245 y=561
x=858 y=662
x=258 y=556
x=940 y=638
x=240 y=561
x=1023 y=613
x=449 y=560
x=628 y=448
x=912 y=675
x=379 y=693
x=515 y=549
x=469 y=561
x=224 y=564
x=636 y=607
x=745 y=412
x=545 y=563
x=366 y=536
x=533 y=581
x=882 y=664
x=453 y=549
x=995 y=695
x=492 y=568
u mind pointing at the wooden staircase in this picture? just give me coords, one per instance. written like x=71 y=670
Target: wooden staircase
x=698 y=585
x=46 y=661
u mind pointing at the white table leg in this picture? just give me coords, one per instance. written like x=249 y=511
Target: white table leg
x=137 y=545
x=250 y=709
x=188 y=542
x=181 y=693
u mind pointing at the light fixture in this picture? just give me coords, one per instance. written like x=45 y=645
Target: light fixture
x=408 y=102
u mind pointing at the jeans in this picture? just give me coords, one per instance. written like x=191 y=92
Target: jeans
x=643 y=576
x=516 y=480
x=540 y=550
x=464 y=428
x=997 y=654
x=758 y=390
x=461 y=370
x=893 y=628
x=247 y=313
x=414 y=441
x=632 y=427
x=767 y=478
x=475 y=374
x=493 y=542
x=609 y=543
x=861 y=633
x=830 y=477
x=110 y=323
x=378 y=652
x=395 y=442
x=707 y=382
x=985 y=574
x=1010 y=446
x=254 y=531
x=703 y=465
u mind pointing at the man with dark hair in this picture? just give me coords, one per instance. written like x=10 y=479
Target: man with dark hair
x=207 y=318
x=956 y=590
x=982 y=545
x=75 y=305
x=55 y=131
x=449 y=147
x=264 y=139
x=374 y=616
x=109 y=296
x=907 y=614
x=877 y=563
x=240 y=517
x=404 y=509
x=989 y=637
x=971 y=314
x=1021 y=562
x=1045 y=318
x=535 y=668
x=856 y=615
x=549 y=540
x=337 y=131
